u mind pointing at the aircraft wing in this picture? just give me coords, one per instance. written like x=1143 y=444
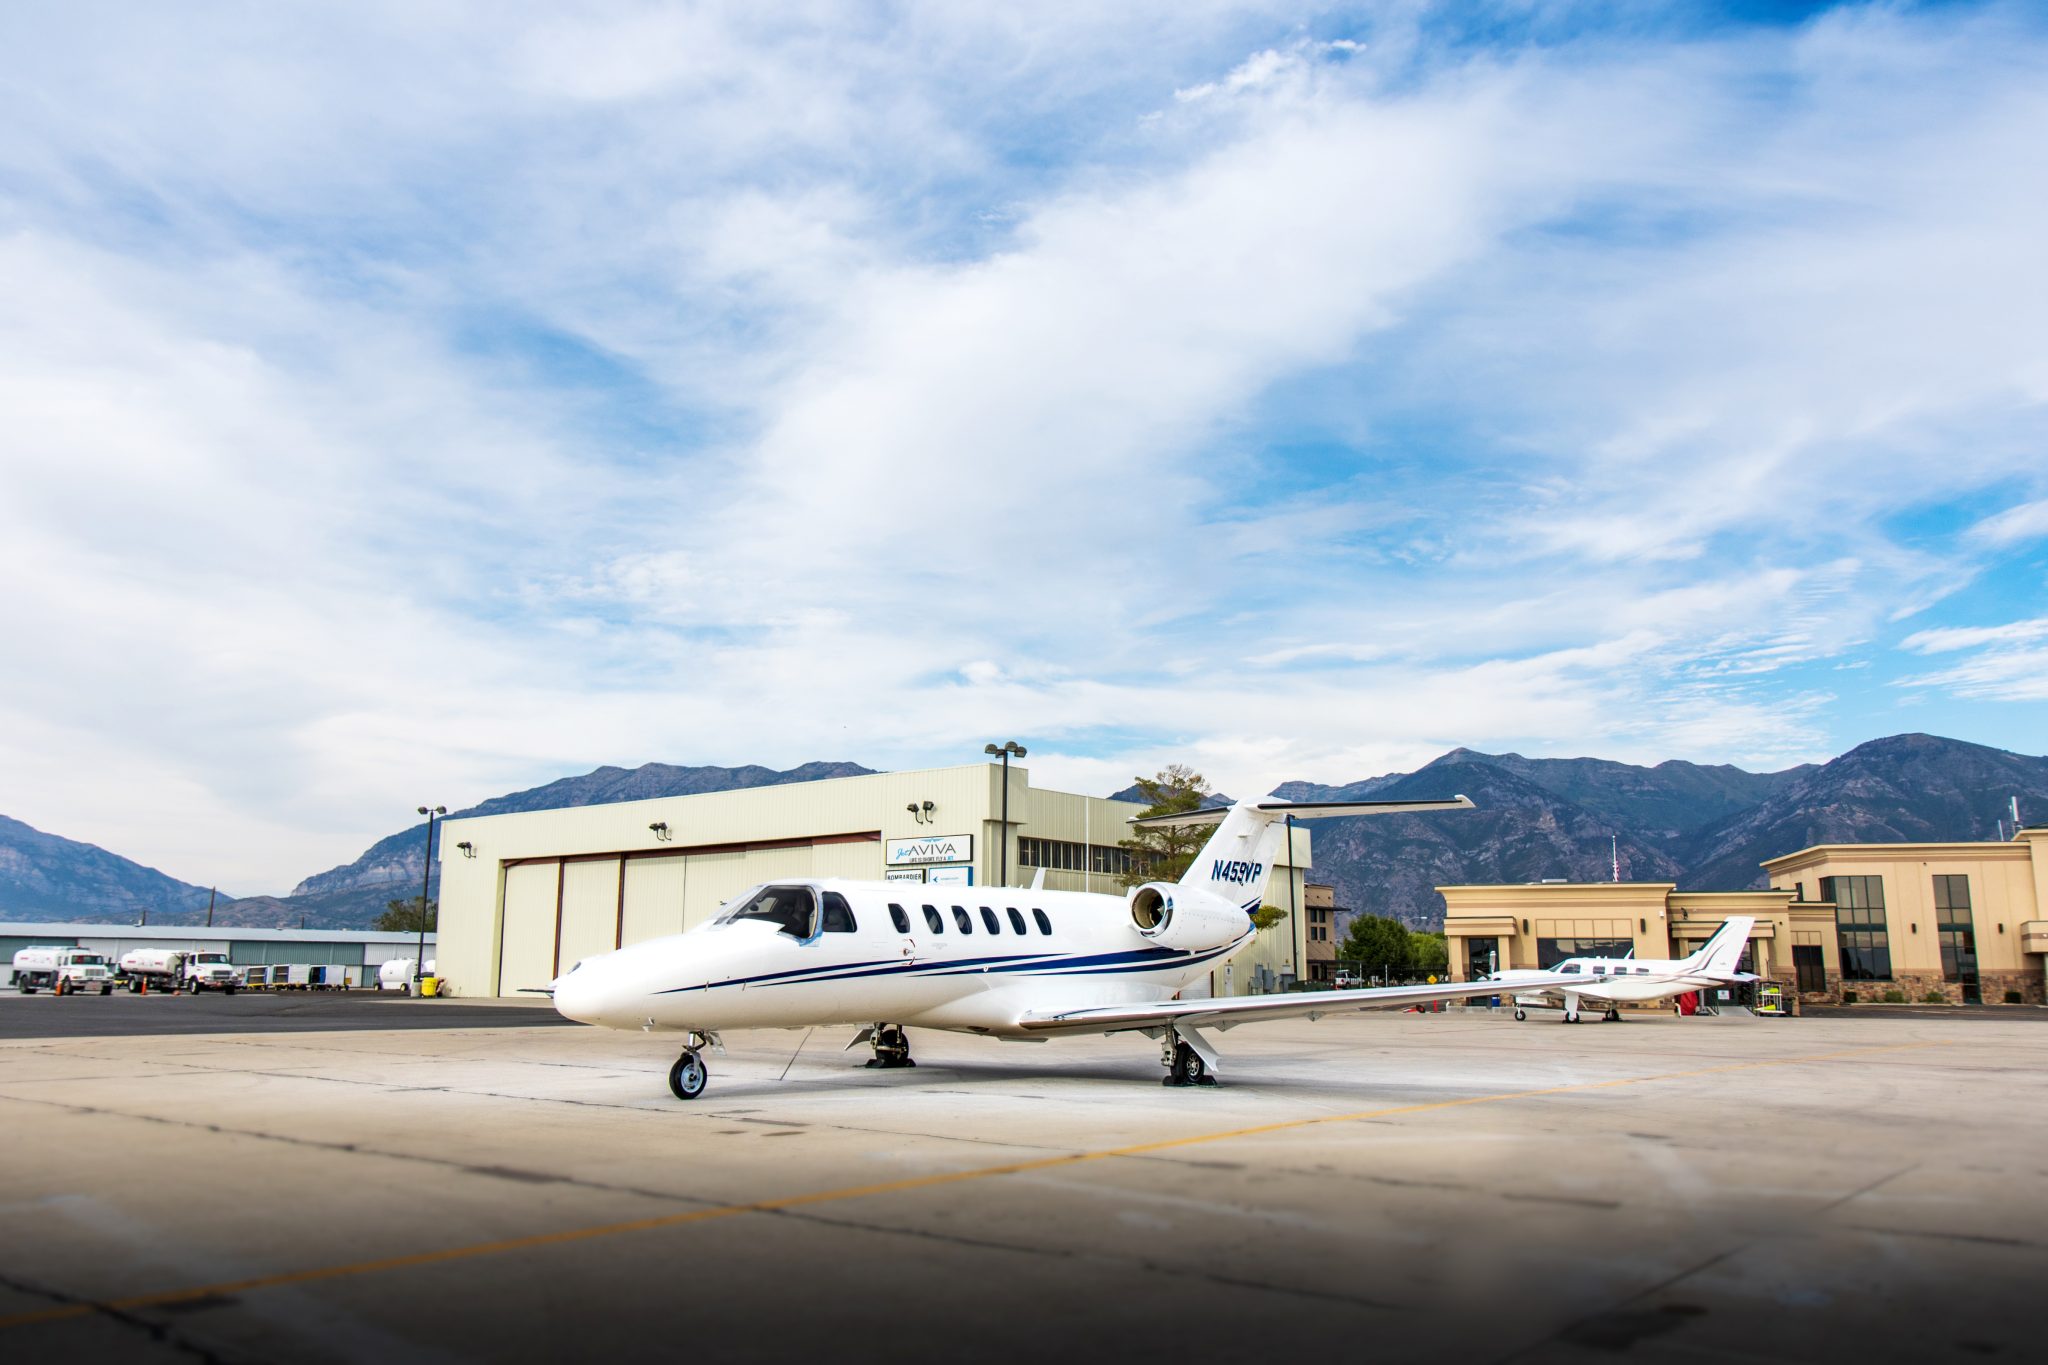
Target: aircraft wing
x=1230 y=1011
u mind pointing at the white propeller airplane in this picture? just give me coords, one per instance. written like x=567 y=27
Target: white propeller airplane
x=1006 y=963
x=1611 y=982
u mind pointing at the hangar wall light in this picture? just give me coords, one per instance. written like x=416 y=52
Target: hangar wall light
x=660 y=830
x=468 y=849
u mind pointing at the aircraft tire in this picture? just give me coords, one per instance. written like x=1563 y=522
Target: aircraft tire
x=688 y=1077
x=1189 y=1068
x=1571 y=1016
x=1520 y=1014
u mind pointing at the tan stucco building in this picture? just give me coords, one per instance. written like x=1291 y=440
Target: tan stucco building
x=525 y=895
x=1966 y=921
x=1961 y=921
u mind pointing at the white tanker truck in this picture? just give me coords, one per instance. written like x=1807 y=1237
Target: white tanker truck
x=179 y=969
x=62 y=970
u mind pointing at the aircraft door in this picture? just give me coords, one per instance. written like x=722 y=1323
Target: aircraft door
x=904 y=933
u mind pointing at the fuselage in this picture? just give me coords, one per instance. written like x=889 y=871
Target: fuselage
x=939 y=956
x=1618 y=980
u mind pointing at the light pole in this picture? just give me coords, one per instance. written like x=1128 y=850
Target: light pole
x=1006 y=749
x=1296 y=930
x=419 y=961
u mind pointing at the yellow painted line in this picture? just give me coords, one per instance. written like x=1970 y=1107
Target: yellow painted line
x=919 y=1182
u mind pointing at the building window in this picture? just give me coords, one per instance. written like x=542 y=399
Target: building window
x=1954 y=928
x=899 y=918
x=1060 y=855
x=1559 y=939
x=1860 y=926
x=931 y=917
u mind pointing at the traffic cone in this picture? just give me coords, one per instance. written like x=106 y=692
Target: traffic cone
x=142 y=986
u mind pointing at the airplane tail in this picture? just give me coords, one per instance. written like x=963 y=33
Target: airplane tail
x=1238 y=860
x=1719 y=954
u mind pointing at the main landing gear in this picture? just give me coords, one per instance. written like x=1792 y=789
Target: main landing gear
x=688 y=1077
x=1184 y=1063
x=892 y=1047
x=1613 y=1016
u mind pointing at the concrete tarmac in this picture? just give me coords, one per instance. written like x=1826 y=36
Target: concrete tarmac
x=1395 y=1187
x=121 y=1015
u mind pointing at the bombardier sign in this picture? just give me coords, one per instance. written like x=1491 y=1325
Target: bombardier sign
x=938 y=848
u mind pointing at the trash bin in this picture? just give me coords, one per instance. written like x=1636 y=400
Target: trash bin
x=430 y=985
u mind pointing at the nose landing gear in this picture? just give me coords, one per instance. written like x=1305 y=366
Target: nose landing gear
x=688 y=1077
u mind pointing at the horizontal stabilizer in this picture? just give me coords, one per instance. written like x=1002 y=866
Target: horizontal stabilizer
x=1300 y=810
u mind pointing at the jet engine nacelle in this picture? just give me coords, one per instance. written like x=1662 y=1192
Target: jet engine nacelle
x=1186 y=920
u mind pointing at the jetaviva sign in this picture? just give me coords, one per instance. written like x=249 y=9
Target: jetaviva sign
x=938 y=848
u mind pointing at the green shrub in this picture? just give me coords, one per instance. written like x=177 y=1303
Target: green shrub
x=1848 y=997
x=2013 y=997
x=1895 y=996
x=1934 y=998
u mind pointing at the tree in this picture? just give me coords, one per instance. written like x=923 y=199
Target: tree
x=1428 y=954
x=1162 y=853
x=1266 y=916
x=1379 y=944
x=403 y=917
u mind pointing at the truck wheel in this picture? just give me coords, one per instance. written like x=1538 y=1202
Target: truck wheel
x=107 y=989
x=230 y=990
x=192 y=986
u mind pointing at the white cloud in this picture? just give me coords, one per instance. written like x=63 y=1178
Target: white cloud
x=413 y=406
x=2028 y=521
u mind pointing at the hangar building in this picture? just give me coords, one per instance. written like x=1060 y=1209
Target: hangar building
x=525 y=895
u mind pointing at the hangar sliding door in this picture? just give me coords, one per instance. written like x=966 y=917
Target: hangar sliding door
x=590 y=909
x=526 y=953
x=714 y=879
x=654 y=897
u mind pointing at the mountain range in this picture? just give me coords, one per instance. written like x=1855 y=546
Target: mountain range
x=1705 y=827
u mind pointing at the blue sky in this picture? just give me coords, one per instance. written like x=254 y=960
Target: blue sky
x=414 y=403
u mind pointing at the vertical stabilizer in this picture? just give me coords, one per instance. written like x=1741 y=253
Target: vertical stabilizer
x=1719 y=955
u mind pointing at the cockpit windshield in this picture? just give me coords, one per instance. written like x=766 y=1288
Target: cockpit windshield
x=793 y=910
x=209 y=957
x=1571 y=968
x=88 y=960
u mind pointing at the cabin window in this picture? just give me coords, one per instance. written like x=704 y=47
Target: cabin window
x=989 y=921
x=899 y=917
x=1642 y=971
x=960 y=918
x=931 y=917
x=1599 y=971
x=1016 y=920
x=838 y=914
x=1044 y=924
x=790 y=909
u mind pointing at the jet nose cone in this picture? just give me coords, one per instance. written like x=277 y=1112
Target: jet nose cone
x=579 y=996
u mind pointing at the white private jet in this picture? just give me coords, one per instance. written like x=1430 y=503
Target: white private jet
x=1024 y=965
x=1611 y=982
